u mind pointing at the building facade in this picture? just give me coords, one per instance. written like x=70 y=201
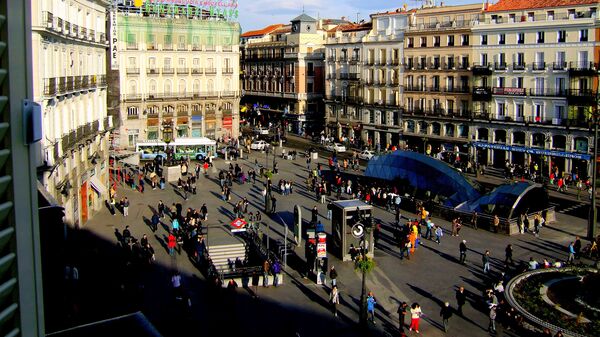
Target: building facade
x=178 y=74
x=535 y=84
x=69 y=66
x=284 y=73
x=382 y=74
x=437 y=76
x=344 y=81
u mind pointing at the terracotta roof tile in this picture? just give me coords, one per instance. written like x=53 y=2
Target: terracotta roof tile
x=507 y=5
x=263 y=31
x=350 y=27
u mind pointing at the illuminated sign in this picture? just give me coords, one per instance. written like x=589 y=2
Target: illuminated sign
x=225 y=8
x=114 y=58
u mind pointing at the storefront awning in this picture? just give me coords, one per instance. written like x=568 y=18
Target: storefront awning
x=98 y=186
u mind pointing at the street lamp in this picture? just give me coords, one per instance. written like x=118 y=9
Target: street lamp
x=365 y=266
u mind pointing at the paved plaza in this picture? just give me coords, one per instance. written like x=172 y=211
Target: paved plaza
x=300 y=306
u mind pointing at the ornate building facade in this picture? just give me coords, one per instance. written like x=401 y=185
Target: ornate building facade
x=69 y=66
x=178 y=74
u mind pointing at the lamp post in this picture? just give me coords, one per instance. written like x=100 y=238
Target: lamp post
x=365 y=266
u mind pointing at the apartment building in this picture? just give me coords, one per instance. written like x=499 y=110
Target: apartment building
x=437 y=76
x=284 y=74
x=382 y=74
x=535 y=83
x=178 y=74
x=344 y=81
x=69 y=66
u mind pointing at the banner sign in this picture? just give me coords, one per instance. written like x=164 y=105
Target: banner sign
x=531 y=150
x=114 y=55
x=226 y=8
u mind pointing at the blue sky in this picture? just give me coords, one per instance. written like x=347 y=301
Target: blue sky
x=255 y=14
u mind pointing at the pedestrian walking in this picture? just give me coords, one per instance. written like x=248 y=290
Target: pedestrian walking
x=492 y=316
x=461 y=299
x=462 y=248
x=334 y=299
x=402 y=311
x=266 y=269
x=171 y=243
x=161 y=209
x=371 y=307
x=439 y=232
x=571 y=250
x=496 y=224
x=485 y=260
x=577 y=247
x=125 y=207
x=446 y=313
x=474 y=220
x=333 y=276
x=508 y=253
x=276 y=270
x=329 y=210
x=415 y=317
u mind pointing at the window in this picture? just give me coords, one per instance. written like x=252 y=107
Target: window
x=562 y=36
x=484 y=40
x=540 y=37
x=150 y=42
x=196 y=43
x=583 y=35
x=550 y=15
x=132 y=111
x=451 y=62
x=519 y=111
x=132 y=62
x=411 y=42
x=559 y=111
x=501 y=82
x=519 y=82
x=501 y=109
x=520 y=38
x=436 y=62
x=311 y=70
x=484 y=59
x=436 y=41
x=450 y=40
x=181 y=43
x=464 y=39
x=502 y=39
x=168 y=42
x=538 y=112
x=167 y=63
x=423 y=41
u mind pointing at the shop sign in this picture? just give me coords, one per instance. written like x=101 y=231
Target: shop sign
x=530 y=150
x=225 y=8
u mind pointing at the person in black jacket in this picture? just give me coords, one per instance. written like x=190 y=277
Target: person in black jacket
x=333 y=276
x=462 y=247
x=461 y=299
x=446 y=313
x=402 y=310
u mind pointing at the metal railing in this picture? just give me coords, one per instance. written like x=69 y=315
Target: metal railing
x=210 y=71
x=168 y=71
x=132 y=71
x=181 y=71
x=50 y=86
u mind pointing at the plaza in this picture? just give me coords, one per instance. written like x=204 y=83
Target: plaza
x=430 y=277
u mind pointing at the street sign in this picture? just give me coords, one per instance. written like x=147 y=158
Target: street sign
x=238 y=225
x=358 y=230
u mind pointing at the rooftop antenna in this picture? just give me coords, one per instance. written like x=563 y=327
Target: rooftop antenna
x=357 y=13
x=302 y=9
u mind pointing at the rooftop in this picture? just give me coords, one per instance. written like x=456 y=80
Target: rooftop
x=351 y=27
x=262 y=32
x=507 y=5
x=304 y=17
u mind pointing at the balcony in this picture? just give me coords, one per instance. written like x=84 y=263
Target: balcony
x=103 y=38
x=133 y=97
x=62 y=85
x=509 y=91
x=369 y=62
x=103 y=82
x=581 y=97
x=500 y=66
x=519 y=66
x=150 y=46
x=227 y=48
x=75 y=31
x=196 y=71
x=183 y=71
x=227 y=71
x=68 y=141
x=355 y=59
x=67 y=29
x=482 y=94
x=152 y=71
x=547 y=92
x=538 y=66
x=228 y=94
x=210 y=71
x=583 y=69
x=330 y=58
x=458 y=89
x=70 y=84
x=48 y=18
x=132 y=71
x=92 y=35
x=196 y=47
x=77 y=83
x=415 y=88
x=83 y=33
x=435 y=89
x=50 y=86
x=167 y=46
x=168 y=71
x=559 y=66
x=210 y=48
x=481 y=69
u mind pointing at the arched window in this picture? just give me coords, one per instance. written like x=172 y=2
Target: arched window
x=483 y=134
x=168 y=87
x=410 y=126
x=449 y=130
x=559 y=142
x=182 y=87
x=152 y=87
x=500 y=136
x=463 y=131
x=436 y=129
x=538 y=139
x=210 y=87
x=196 y=86
x=423 y=126
x=132 y=87
x=519 y=137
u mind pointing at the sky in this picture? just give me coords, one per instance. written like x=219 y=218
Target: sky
x=256 y=14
